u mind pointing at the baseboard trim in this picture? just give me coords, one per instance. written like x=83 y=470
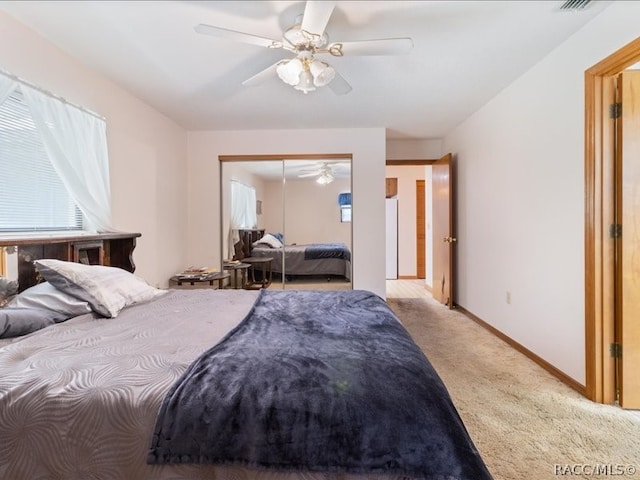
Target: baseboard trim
x=407 y=277
x=560 y=375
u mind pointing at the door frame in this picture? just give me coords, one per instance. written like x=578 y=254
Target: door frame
x=599 y=201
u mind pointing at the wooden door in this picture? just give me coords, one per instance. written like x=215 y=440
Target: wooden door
x=421 y=231
x=628 y=239
x=443 y=239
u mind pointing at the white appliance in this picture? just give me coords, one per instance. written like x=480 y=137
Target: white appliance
x=392 y=238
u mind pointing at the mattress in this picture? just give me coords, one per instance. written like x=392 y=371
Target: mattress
x=80 y=399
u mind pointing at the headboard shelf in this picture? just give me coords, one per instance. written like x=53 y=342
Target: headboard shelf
x=110 y=249
x=39 y=239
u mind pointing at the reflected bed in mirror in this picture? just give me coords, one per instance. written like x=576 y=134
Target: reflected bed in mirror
x=302 y=264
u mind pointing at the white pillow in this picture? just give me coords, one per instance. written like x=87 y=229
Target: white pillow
x=270 y=240
x=107 y=289
x=44 y=295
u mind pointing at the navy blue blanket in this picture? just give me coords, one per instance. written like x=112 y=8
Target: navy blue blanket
x=315 y=251
x=317 y=381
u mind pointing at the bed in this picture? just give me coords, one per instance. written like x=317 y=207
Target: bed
x=308 y=260
x=316 y=259
x=221 y=384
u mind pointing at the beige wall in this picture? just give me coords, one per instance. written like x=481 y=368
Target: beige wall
x=368 y=172
x=520 y=201
x=272 y=207
x=414 y=149
x=147 y=151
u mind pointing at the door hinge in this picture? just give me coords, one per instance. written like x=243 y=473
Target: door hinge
x=615 y=110
x=615 y=230
x=615 y=349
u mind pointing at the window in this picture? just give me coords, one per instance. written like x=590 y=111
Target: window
x=345 y=213
x=243 y=199
x=344 y=200
x=32 y=196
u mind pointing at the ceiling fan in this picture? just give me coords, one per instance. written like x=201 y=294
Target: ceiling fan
x=324 y=171
x=307 y=39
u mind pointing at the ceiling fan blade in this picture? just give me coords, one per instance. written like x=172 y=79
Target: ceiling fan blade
x=237 y=36
x=260 y=77
x=384 y=46
x=316 y=16
x=339 y=85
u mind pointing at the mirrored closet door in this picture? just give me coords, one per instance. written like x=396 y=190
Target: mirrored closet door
x=296 y=232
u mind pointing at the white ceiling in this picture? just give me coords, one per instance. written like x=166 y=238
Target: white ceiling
x=464 y=53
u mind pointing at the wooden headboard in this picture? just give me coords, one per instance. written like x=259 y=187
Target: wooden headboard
x=111 y=249
x=247 y=237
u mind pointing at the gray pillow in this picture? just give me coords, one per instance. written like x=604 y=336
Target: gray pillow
x=44 y=295
x=15 y=322
x=107 y=289
x=8 y=288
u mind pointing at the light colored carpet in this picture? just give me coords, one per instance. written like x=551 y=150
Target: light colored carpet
x=525 y=422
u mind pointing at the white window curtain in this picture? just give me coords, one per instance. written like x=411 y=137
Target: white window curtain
x=243 y=212
x=76 y=143
x=243 y=209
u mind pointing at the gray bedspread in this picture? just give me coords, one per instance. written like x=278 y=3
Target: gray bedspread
x=316 y=381
x=327 y=250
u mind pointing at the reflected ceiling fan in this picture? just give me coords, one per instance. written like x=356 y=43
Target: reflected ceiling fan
x=324 y=172
x=308 y=40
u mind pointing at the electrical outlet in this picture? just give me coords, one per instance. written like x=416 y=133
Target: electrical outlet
x=509 y=298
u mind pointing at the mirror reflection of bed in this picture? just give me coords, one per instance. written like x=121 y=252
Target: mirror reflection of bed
x=293 y=206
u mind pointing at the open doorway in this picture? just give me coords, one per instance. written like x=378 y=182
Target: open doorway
x=406 y=177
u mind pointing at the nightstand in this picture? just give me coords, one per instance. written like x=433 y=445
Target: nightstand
x=235 y=268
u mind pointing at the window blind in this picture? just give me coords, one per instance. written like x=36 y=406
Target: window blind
x=32 y=196
x=344 y=199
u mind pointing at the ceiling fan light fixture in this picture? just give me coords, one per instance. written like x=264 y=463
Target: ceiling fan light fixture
x=289 y=71
x=325 y=179
x=308 y=38
x=322 y=73
x=305 y=85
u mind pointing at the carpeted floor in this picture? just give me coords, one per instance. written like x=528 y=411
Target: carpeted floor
x=525 y=423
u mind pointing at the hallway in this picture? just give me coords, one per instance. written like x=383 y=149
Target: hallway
x=407 y=289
